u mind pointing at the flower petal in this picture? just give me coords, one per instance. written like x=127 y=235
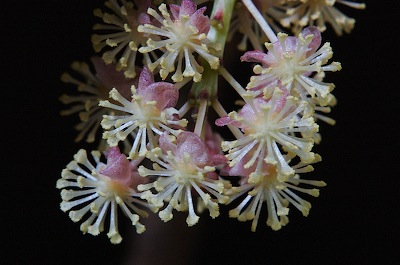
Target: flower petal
x=118 y=167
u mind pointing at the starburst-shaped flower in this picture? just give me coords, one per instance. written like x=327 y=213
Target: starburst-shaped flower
x=182 y=33
x=119 y=36
x=96 y=189
x=185 y=169
x=273 y=189
x=297 y=14
x=94 y=88
x=150 y=112
x=292 y=62
x=270 y=127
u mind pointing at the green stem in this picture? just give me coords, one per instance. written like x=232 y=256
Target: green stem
x=221 y=16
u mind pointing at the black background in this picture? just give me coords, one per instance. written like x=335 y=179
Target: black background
x=354 y=221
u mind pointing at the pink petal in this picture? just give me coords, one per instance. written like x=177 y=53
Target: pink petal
x=187 y=8
x=174 y=11
x=213 y=140
x=218 y=160
x=254 y=57
x=165 y=144
x=143 y=18
x=227 y=121
x=118 y=167
x=189 y=142
x=165 y=94
x=212 y=175
x=223 y=121
x=317 y=39
x=200 y=21
x=145 y=79
x=248 y=113
x=136 y=178
x=238 y=169
x=291 y=44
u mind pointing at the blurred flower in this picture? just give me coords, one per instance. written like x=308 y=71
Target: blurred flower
x=94 y=88
x=297 y=14
x=244 y=23
x=120 y=35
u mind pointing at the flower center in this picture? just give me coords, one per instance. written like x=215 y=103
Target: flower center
x=261 y=126
x=146 y=112
x=269 y=177
x=112 y=187
x=289 y=66
x=182 y=33
x=185 y=171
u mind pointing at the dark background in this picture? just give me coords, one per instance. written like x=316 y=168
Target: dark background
x=354 y=221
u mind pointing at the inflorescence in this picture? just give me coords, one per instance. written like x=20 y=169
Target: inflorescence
x=149 y=98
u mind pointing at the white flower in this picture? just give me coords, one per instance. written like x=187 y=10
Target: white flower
x=291 y=62
x=183 y=170
x=182 y=33
x=271 y=127
x=277 y=194
x=97 y=189
x=150 y=111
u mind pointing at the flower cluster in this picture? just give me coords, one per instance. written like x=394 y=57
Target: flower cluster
x=154 y=91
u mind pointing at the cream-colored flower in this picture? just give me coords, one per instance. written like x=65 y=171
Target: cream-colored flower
x=293 y=62
x=150 y=112
x=278 y=192
x=92 y=189
x=182 y=33
x=270 y=128
x=185 y=171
